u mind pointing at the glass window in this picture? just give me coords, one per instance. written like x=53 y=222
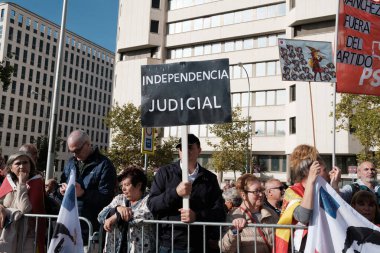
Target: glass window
x=281 y=11
x=236 y=99
x=260 y=98
x=262 y=41
x=244 y=99
x=248 y=43
x=198 y=50
x=193 y=129
x=271 y=68
x=207 y=49
x=238 y=45
x=270 y=128
x=171 y=28
x=228 y=19
x=292 y=125
x=238 y=17
x=178 y=27
x=280 y=97
x=216 y=48
x=272 y=11
x=206 y=22
x=247 y=15
x=173 y=131
x=271 y=96
x=261 y=12
x=198 y=24
x=272 y=40
x=260 y=69
x=186 y=26
x=280 y=127
x=178 y=53
x=229 y=46
x=248 y=67
x=237 y=71
x=260 y=128
x=186 y=52
x=215 y=21
x=203 y=130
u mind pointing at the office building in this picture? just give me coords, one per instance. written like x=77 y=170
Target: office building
x=156 y=32
x=85 y=92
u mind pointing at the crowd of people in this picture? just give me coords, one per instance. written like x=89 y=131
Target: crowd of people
x=120 y=212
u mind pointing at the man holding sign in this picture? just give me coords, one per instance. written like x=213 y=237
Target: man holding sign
x=165 y=200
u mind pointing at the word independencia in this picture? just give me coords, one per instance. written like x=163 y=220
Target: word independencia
x=185 y=77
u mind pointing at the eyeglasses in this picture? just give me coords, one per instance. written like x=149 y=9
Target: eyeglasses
x=281 y=188
x=77 y=150
x=256 y=192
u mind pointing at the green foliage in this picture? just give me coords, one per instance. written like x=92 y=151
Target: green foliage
x=126 y=131
x=360 y=114
x=6 y=71
x=230 y=152
x=42 y=144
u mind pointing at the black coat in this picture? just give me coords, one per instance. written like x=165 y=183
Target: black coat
x=205 y=200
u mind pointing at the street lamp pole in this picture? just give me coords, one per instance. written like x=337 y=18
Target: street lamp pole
x=248 y=154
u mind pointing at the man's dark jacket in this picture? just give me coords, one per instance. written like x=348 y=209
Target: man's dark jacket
x=205 y=200
x=98 y=179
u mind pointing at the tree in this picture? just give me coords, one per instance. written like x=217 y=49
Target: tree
x=360 y=114
x=42 y=144
x=230 y=152
x=6 y=71
x=126 y=128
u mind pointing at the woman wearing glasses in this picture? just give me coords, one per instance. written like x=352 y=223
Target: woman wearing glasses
x=306 y=165
x=250 y=211
x=122 y=218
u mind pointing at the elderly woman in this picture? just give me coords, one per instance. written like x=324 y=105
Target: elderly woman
x=122 y=218
x=306 y=165
x=21 y=192
x=231 y=198
x=364 y=202
x=250 y=211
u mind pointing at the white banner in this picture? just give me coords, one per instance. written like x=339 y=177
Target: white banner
x=337 y=227
x=67 y=236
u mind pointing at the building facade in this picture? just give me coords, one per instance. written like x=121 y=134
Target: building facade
x=156 y=32
x=85 y=92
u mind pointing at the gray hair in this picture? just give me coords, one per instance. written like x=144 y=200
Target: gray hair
x=18 y=154
x=232 y=195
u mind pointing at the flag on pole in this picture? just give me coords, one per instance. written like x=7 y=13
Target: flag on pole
x=337 y=227
x=67 y=236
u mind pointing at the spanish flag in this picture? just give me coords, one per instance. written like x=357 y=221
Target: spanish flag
x=292 y=198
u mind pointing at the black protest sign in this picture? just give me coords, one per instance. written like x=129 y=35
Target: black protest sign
x=185 y=93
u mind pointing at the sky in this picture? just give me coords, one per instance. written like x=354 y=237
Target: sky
x=95 y=20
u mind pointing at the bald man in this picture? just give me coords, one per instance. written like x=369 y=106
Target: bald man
x=367 y=180
x=274 y=193
x=96 y=176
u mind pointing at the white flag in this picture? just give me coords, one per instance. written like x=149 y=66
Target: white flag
x=67 y=236
x=337 y=227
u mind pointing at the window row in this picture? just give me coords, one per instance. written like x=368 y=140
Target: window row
x=269 y=128
x=80 y=119
x=237 y=17
x=258 y=69
x=259 y=98
x=25 y=124
x=42 y=29
x=178 y=4
x=223 y=47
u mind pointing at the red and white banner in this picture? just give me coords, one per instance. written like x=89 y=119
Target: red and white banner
x=358 y=51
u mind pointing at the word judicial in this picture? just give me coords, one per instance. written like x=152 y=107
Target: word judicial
x=191 y=103
x=199 y=76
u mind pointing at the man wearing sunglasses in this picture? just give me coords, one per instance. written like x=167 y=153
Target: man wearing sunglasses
x=274 y=193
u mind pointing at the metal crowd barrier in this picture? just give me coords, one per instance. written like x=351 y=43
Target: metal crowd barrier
x=92 y=237
x=220 y=225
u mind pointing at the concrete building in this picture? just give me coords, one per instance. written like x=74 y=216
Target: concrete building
x=86 y=88
x=155 y=32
